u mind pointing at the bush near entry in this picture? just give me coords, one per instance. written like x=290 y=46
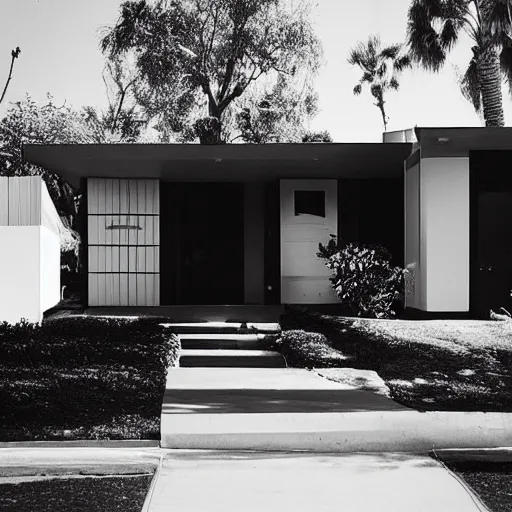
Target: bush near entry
x=363 y=278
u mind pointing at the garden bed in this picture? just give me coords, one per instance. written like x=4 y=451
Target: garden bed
x=83 y=378
x=457 y=365
x=79 y=494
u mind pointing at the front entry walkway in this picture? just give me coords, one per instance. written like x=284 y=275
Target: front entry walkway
x=196 y=481
x=234 y=395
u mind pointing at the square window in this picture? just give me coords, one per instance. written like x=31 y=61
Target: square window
x=311 y=202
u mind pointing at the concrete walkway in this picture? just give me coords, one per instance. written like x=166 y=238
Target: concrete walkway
x=232 y=481
x=284 y=409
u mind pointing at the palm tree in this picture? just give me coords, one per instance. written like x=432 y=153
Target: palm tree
x=381 y=68
x=434 y=27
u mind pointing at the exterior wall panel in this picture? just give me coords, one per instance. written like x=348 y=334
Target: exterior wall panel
x=124 y=238
x=444 y=189
x=30 y=256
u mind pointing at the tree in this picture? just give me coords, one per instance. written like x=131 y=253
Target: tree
x=434 y=27
x=194 y=58
x=122 y=121
x=278 y=114
x=381 y=69
x=28 y=122
x=323 y=136
x=14 y=55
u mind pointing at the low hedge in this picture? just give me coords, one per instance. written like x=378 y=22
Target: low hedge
x=84 y=341
x=93 y=377
x=303 y=349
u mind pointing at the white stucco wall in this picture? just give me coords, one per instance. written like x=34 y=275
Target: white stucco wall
x=30 y=250
x=20 y=271
x=441 y=261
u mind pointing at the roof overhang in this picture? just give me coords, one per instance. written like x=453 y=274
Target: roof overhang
x=230 y=162
x=458 y=142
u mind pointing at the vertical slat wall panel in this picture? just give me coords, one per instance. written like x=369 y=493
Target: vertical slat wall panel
x=4 y=201
x=20 y=200
x=124 y=262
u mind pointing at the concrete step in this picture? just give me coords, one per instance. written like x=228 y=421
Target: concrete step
x=372 y=431
x=223 y=341
x=224 y=328
x=220 y=358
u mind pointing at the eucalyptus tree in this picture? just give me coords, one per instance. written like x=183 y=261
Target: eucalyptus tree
x=434 y=28
x=381 y=67
x=190 y=53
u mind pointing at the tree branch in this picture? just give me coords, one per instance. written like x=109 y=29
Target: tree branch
x=14 y=54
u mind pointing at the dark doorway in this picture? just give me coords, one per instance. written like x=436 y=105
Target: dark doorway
x=491 y=232
x=202 y=245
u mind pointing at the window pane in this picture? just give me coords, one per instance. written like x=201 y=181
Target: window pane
x=311 y=202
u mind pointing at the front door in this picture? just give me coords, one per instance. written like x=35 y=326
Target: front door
x=309 y=215
x=492 y=232
x=204 y=244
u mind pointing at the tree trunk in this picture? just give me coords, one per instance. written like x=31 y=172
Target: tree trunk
x=383 y=112
x=380 y=104
x=489 y=74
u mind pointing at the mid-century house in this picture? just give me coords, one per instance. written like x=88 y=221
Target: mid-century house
x=240 y=224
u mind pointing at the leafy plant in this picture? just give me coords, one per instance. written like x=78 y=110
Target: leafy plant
x=363 y=277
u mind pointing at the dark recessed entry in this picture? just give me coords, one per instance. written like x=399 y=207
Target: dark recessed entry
x=311 y=202
x=202 y=243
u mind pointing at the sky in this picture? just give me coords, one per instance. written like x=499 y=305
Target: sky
x=59 y=41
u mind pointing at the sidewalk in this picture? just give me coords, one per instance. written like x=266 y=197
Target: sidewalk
x=231 y=481
x=293 y=409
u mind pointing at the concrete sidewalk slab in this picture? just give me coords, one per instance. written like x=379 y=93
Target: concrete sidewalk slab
x=294 y=409
x=230 y=481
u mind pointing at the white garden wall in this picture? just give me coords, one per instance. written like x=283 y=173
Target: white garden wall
x=437 y=243
x=30 y=250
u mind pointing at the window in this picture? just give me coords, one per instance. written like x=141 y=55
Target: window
x=311 y=202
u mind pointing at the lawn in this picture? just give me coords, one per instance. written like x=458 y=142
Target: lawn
x=459 y=365
x=83 y=378
x=77 y=494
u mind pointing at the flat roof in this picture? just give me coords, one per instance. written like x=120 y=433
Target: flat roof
x=229 y=162
x=459 y=141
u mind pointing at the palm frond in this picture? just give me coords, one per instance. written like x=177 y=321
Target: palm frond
x=497 y=15
x=393 y=84
x=469 y=85
x=402 y=63
x=357 y=89
x=428 y=46
x=382 y=70
x=391 y=52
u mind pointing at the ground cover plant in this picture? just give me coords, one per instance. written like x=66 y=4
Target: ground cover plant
x=80 y=494
x=492 y=481
x=428 y=365
x=80 y=377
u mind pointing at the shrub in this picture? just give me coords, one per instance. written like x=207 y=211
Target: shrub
x=363 y=277
x=308 y=349
x=79 y=341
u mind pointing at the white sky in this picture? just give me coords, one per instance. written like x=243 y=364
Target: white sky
x=59 y=40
